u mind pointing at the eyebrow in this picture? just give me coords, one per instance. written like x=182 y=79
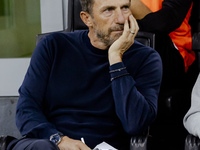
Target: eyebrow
x=106 y=7
x=113 y=7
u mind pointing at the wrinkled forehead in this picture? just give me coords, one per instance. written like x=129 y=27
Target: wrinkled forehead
x=114 y=3
x=111 y=2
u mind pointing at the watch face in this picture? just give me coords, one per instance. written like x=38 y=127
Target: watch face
x=56 y=138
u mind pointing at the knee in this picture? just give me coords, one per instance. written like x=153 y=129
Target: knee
x=42 y=144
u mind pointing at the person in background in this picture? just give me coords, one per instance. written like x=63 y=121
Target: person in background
x=99 y=84
x=169 y=19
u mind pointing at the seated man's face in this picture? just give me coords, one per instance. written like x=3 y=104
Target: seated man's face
x=108 y=19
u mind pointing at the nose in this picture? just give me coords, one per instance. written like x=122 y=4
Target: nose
x=120 y=17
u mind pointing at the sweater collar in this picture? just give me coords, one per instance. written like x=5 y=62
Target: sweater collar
x=86 y=40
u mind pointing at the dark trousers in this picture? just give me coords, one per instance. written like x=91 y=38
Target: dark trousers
x=33 y=144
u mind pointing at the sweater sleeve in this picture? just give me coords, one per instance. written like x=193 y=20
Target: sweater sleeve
x=168 y=18
x=191 y=120
x=30 y=118
x=136 y=97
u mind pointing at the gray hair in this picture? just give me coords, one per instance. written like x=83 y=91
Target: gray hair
x=87 y=5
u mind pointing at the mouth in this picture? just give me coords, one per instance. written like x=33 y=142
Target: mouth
x=118 y=31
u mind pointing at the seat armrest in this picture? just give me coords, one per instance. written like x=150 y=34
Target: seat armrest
x=5 y=140
x=192 y=142
x=138 y=143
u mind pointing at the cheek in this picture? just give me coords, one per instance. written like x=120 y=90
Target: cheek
x=104 y=25
x=127 y=15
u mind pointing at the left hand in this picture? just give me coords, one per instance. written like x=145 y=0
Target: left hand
x=122 y=44
x=71 y=144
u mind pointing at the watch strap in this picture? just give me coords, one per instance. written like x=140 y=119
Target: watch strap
x=56 y=138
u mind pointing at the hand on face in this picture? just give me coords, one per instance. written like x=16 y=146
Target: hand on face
x=70 y=144
x=122 y=44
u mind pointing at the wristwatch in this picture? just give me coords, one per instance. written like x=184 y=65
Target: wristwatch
x=56 y=138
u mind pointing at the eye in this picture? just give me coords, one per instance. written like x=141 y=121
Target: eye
x=125 y=8
x=108 y=11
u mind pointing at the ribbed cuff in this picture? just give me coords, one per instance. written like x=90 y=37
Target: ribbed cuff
x=118 y=70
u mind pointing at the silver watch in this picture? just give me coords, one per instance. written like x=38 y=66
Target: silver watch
x=56 y=138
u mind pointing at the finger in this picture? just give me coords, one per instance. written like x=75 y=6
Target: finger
x=126 y=28
x=83 y=146
x=136 y=25
x=133 y=25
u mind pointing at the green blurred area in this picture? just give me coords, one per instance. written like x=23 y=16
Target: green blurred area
x=19 y=25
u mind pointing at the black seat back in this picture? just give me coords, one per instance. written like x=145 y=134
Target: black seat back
x=195 y=26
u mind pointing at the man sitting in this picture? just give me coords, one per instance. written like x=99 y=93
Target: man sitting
x=98 y=84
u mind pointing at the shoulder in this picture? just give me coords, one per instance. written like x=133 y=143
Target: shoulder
x=63 y=36
x=142 y=51
x=143 y=59
x=57 y=42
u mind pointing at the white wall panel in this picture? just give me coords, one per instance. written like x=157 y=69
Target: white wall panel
x=12 y=72
x=53 y=15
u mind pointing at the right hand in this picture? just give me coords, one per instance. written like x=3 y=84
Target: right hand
x=123 y=43
x=71 y=144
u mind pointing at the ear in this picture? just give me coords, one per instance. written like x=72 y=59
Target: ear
x=86 y=18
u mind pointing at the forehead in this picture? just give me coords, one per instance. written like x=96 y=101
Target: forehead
x=113 y=3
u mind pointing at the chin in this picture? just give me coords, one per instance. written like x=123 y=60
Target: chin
x=116 y=36
x=113 y=39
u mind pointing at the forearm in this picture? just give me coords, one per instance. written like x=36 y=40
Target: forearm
x=133 y=109
x=192 y=124
x=192 y=117
x=139 y=9
x=30 y=118
x=136 y=105
x=167 y=19
x=114 y=58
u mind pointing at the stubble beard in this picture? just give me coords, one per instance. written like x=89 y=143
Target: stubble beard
x=106 y=38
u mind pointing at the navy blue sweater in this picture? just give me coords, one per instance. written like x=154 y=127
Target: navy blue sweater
x=67 y=89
